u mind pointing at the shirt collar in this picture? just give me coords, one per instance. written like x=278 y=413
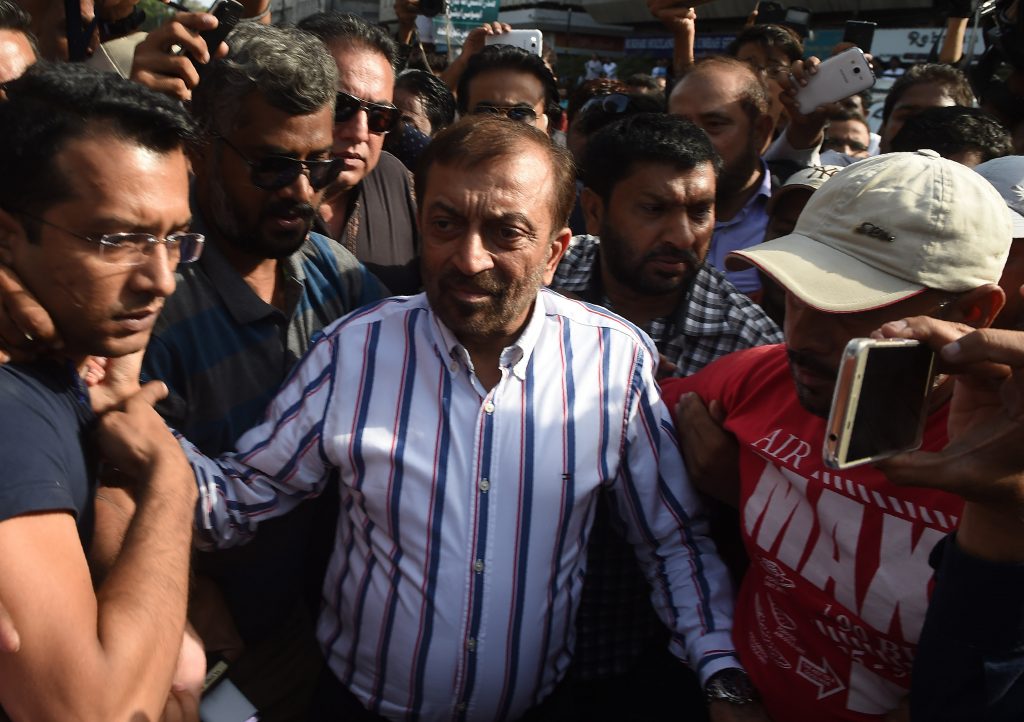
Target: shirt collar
x=241 y=301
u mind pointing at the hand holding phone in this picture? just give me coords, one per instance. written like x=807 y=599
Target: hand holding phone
x=879 y=406
x=228 y=13
x=841 y=76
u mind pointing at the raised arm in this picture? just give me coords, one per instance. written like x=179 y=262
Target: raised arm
x=110 y=654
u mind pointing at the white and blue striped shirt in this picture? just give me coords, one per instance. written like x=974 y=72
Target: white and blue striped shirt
x=462 y=537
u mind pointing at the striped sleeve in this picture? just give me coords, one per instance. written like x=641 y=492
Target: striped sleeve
x=665 y=522
x=277 y=464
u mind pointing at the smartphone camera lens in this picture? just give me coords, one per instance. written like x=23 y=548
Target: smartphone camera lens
x=856 y=71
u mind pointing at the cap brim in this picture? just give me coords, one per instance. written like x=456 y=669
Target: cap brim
x=822 y=277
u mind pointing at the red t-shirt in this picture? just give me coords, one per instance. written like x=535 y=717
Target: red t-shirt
x=830 y=610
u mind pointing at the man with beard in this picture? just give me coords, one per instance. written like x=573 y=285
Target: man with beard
x=469 y=430
x=727 y=99
x=243 y=316
x=649 y=198
x=832 y=604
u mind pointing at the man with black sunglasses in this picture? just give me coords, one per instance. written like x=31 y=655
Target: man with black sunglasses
x=509 y=81
x=246 y=312
x=369 y=209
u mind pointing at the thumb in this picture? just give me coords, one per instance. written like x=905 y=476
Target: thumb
x=716 y=411
x=152 y=392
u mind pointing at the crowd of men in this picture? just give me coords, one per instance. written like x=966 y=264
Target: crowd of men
x=378 y=390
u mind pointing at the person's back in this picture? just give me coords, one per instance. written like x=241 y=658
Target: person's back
x=93 y=202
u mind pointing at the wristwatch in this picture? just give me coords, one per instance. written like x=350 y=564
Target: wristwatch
x=730 y=685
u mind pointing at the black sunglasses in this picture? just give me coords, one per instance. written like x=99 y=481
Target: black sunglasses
x=613 y=104
x=274 y=172
x=380 y=117
x=521 y=113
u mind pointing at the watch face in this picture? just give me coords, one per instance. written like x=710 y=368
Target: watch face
x=730 y=685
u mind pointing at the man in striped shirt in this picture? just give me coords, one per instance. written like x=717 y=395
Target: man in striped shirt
x=469 y=430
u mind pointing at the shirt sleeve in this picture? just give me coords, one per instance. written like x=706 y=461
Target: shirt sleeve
x=665 y=522
x=782 y=149
x=970 y=658
x=277 y=464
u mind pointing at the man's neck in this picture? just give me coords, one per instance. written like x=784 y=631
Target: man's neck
x=727 y=205
x=335 y=209
x=639 y=308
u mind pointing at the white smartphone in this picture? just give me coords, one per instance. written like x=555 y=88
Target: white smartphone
x=879 y=407
x=841 y=76
x=532 y=41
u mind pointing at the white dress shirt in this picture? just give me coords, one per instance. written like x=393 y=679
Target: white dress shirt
x=462 y=537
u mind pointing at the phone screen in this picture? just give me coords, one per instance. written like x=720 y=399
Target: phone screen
x=891 y=408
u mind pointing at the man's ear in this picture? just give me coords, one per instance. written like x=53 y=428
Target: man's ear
x=593 y=211
x=979 y=307
x=11 y=234
x=764 y=127
x=559 y=244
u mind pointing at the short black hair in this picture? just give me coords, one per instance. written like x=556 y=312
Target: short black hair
x=645 y=81
x=331 y=26
x=769 y=36
x=842 y=114
x=508 y=57
x=954 y=129
x=593 y=117
x=952 y=80
x=54 y=103
x=438 y=101
x=614 y=150
x=14 y=18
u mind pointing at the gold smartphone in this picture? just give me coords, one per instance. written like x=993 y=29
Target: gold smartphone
x=880 y=403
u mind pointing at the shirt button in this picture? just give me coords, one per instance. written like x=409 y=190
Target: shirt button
x=489 y=408
x=484 y=485
x=478 y=566
x=454 y=367
x=471 y=644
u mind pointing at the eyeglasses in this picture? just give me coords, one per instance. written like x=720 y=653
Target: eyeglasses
x=613 y=104
x=132 y=249
x=841 y=145
x=274 y=172
x=520 y=113
x=380 y=117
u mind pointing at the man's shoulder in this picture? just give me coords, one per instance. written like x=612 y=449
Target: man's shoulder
x=737 y=374
x=581 y=313
x=714 y=299
x=384 y=314
x=577 y=264
x=388 y=173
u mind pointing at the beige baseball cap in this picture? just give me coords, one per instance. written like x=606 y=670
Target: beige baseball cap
x=1007 y=175
x=885 y=229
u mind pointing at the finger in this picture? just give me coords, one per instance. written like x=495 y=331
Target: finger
x=717 y=411
x=184 y=32
x=174 y=87
x=170 y=67
x=987 y=344
x=25 y=312
x=152 y=392
x=10 y=640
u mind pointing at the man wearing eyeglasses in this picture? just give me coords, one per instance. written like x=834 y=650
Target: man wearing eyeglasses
x=94 y=215
x=369 y=209
x=509 y=81
x=242 y=317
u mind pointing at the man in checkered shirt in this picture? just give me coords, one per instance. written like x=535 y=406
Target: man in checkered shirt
x=649 y=199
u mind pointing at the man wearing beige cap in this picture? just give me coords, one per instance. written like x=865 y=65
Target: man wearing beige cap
x=830 y=610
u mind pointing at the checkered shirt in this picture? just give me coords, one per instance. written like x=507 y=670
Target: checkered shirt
x=616 y=623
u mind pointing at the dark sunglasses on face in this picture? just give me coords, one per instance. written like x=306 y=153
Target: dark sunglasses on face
x=613 y=104
x=274 y=172
x=521 y=113
x=380 y=117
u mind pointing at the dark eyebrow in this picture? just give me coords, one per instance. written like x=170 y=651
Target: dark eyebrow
x=519 y=218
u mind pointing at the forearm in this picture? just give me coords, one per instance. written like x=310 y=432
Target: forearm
x=953 y=42
x=682 y=54
x=141 y=604
x=970 y=659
